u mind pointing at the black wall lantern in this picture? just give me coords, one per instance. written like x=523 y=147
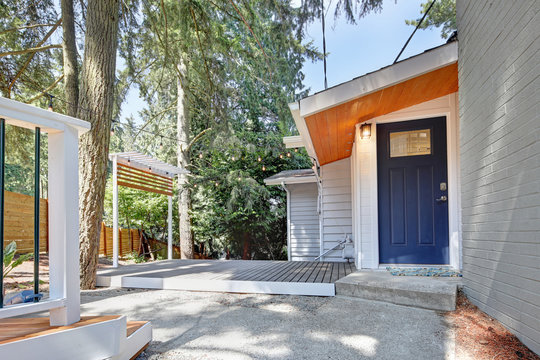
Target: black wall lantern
x=365 y=131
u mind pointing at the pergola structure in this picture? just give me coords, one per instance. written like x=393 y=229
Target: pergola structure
x=142 y=172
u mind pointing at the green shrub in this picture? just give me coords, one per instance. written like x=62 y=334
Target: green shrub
x=136 y=257
x=10 y=262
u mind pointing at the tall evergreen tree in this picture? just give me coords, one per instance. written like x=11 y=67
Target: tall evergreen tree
x=229 y=71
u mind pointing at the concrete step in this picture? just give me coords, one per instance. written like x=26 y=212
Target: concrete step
x=434 y=293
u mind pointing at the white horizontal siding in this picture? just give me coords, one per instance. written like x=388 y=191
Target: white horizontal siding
x=499 y=79
x=336 y=205
x=304 y=221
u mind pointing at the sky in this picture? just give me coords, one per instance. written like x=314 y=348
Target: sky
x=374 y=42
x=353 y=50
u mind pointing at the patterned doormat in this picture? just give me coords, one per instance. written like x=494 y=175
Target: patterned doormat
x=423 y=271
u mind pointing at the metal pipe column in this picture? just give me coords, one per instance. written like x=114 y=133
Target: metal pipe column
x=36 y=211
x=2 y=163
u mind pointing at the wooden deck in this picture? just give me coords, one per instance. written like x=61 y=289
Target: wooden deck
x=271 y=277
x=31 y=337
x=20 y=329
x=15 y=329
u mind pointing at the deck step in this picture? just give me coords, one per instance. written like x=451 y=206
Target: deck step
x=139 y=335
x=95 y=337
x=423 y=292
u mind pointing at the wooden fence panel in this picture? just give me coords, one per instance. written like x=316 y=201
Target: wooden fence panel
x=109 y=236
x=19 y=222
x=136 y=239
x=128 y=241
x=19 y=227
x=102 y=249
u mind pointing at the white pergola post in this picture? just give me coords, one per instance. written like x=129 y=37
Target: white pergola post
x=169 y=225
x=64 y=225
x=115 y=211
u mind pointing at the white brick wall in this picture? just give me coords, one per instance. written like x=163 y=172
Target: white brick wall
x=499 y=98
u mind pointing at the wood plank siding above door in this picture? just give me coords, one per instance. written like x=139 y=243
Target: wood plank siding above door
x=332 y=130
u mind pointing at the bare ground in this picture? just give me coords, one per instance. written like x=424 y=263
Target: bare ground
x=478 y=336
x=22 y=277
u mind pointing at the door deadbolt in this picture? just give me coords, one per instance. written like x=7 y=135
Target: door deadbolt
x=442 y=186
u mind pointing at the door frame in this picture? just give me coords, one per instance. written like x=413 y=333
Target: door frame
x=436 y=251
x=421 y=111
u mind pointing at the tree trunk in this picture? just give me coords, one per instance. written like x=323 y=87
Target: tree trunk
x=246 y=254
x=184 y=196
x=96 y=100
x=71 y=71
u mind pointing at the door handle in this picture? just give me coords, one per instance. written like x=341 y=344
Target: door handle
x=443 y=198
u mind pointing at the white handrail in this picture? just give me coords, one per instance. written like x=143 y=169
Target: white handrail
x=342 y=242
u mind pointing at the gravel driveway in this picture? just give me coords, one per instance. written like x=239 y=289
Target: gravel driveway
x=198 y=325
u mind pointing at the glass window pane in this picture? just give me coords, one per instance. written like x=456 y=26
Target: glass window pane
x=410 y=143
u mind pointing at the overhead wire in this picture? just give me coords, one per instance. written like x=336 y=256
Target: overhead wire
x=114 y=122
x=416 y=28
x=141 y=129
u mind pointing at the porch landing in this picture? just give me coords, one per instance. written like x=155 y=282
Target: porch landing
x=238 y=276
x=434 y=293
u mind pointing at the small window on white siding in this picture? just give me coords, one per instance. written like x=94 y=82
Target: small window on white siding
x=410 y=143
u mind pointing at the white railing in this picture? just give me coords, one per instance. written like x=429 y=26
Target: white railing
x=31 y=308
x=63 y=149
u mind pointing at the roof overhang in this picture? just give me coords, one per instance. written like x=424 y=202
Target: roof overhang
x=27 y=116
x=302 y=129
x=326 y=120
x=293 y=141
x=286 y=177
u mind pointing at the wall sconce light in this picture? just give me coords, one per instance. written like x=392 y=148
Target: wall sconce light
x=365 y=131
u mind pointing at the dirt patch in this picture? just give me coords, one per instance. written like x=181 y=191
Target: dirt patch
x=480 y=337
x=22 y=277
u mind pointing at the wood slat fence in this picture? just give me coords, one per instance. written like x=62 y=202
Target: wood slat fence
x=128 y=241
x=19 y=227
x=19 y=222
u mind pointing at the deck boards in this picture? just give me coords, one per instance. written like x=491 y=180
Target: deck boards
x=237 y=270
x=15 y=329
x=133 y=326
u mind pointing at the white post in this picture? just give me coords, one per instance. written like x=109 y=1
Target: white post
x=289 y=255
x=64 y=225
x=169 y=235
x=115 y=211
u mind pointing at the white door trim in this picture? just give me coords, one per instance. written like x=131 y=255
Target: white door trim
x=445 y=106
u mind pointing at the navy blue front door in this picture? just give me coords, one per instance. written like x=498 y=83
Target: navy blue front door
x=412 y=191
